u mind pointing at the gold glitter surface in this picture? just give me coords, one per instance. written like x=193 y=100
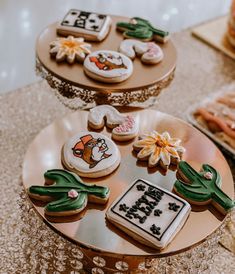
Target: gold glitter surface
x=27 y=245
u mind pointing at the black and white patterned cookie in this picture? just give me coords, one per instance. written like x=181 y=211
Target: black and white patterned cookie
x=149 y=213
x=92 y=26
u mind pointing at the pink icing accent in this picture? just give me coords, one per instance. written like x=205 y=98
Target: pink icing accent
x=72 y=193
x=153 y=49
x=208 y=175
x=126 y=126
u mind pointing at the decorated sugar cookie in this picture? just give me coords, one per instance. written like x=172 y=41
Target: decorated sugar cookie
x=202 y=188
x=90 y=154
x=149 y=213
x=108 y=66
x=66 y=193
x=150 y=52
x=92 y=26
x=125 y=127
x=142 y=29
x=70 y=49
x=159 y=149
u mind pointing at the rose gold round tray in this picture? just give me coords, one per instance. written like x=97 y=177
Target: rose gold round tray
x=92 y=232
x=77 y=90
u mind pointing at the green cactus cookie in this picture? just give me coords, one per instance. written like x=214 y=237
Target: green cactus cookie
x=142 y=29
x=201 y=188
x=67 y=193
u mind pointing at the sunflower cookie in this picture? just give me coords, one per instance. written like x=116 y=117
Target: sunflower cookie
x=70 y=49
x=142 y=29
x=159 y=149
x=125 y=127
x=66 y=193
x=92 y=26
x=202 y=188
x=150 y=52
x=108 y=66
x=90 y=154
x=149 y=213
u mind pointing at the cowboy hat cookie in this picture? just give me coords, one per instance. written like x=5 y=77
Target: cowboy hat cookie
x=125 y=127
x=202 y=188
x=149 y=52
x=149 y=213
x=69 y=49
x=142 y=29
x=90 y=154
x=66 y=193
x=108 y=66
x=92 y=26
x=159 y=149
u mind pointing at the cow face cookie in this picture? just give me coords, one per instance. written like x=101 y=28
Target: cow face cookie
x=202 y=188
x=125 y=127
x=150 y=52
x=149 y=213
x=108 y=66
x=159 y=149
x=66 y=193
x=90 y=154
x=92 y=26
x=70 y=49
x=139 y=28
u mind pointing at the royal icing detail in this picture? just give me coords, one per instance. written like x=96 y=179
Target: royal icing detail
x=150 y=52
x=68 y=191
x=90 y=152
x=124 y=126
x=159 y=147
x=142 y=29
x=72 y=193
x=92 y=26
x=149 y=211
x=70 y=49
x=199 y=188
x=107 y=65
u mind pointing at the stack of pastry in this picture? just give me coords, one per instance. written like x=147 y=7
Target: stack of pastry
x=231 y=25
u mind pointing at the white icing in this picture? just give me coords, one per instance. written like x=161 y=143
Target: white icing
x=122 y=65
x=70 y=48
x=106 y=146
x=92 y=26
x=125 y=124
x=149 y=52
x=158 y=147
x=169 y=221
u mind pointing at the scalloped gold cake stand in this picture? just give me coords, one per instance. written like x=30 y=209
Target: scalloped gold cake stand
x=76 y=90
x=104 y=248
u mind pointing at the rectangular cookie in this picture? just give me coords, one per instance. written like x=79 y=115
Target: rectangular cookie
x=149 y=213
x=92 y=26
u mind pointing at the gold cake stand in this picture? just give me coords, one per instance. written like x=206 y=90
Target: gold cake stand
x=103 y=247
x=76 y=90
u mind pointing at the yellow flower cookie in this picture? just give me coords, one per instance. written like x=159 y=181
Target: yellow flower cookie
x=69 y=49
x=159 y=149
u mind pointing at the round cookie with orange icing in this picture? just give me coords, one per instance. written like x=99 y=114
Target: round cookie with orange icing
x=90 y=154
x=124 y=127
x=159 y=149
x=69 y=49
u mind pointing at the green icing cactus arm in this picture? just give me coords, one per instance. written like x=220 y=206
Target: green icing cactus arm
x=141 y=29
x=60 y=191
x=203 y=186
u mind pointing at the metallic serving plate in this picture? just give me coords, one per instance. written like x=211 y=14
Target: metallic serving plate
x=92 y=231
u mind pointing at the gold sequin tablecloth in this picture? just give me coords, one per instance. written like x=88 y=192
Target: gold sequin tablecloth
x=27 y=244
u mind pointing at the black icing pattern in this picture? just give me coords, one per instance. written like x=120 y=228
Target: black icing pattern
x=155 y=229
x=144 y=206
x=173 y=206
x=83 y=20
